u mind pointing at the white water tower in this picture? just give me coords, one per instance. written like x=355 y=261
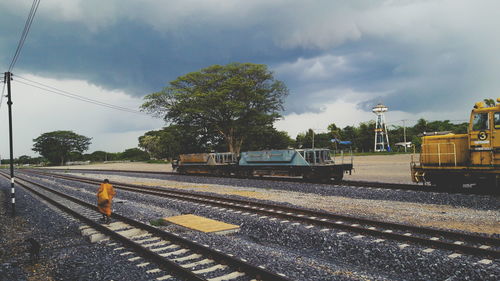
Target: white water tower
x=381 y=136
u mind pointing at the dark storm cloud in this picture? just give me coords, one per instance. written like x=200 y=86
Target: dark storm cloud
x=403 y=53
x=405 y=77
x=134 y=57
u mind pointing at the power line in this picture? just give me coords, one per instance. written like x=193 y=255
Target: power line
x=56 y=91
x=24 y=34
x=79 y=97
x=73 y=96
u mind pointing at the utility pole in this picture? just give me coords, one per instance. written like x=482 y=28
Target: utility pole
x=312 y=138
x=404 y=133
x=8 y=78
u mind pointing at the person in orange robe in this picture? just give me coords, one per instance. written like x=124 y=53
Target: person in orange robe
x=105 y=196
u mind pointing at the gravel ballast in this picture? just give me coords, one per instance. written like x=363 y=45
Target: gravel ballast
x=65 y=253
x=471 y=213
x=304 y=253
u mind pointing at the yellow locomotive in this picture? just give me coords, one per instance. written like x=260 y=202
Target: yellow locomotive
x=452 y=160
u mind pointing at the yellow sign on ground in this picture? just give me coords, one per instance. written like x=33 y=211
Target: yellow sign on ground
x=202 y=224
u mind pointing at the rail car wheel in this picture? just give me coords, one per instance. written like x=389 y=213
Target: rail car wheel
x=337 y=178
x=447 y=183
x=308 y=176
x=324 y=179
x=245 y=174
x=489 y=185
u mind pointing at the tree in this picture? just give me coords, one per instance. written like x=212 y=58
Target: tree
x=307 y=139
x=97 y=156
x=221 y=102
x=350 y=133
x=58 y=145
x=267 y=138
x=366 y=136
x=173 y=140
x=151 y=143
x=135 y=154
x=490 y=102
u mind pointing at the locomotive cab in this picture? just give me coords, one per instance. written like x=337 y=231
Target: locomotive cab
x=484 y=133
x=451 y=160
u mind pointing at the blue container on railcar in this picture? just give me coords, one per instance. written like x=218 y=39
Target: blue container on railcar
x=288 y=157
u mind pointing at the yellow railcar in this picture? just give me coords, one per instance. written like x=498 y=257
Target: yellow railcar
x=452 y=160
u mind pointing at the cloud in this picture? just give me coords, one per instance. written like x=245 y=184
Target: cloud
x=316 y=68
x=414 y=56
x=36 y=112
x=345 y=112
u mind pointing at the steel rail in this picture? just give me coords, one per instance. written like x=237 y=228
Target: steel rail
x=368 y=184
x=142 y=251
x=258 y=272
x=322 y=218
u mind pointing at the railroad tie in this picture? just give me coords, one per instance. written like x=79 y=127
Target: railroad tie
x=229 y=276
x=210 y=269
x=193 y=264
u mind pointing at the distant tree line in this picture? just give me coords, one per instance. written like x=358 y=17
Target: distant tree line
x=362 y=136
x=60 y=147
x=132 y=154
x=171 y=141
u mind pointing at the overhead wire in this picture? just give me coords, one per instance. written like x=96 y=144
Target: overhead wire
x=47 y=88
x=24 y=34
x=20 y=44
x=57 y=91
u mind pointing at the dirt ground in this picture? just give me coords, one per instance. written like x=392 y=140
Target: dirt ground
x=383 y=168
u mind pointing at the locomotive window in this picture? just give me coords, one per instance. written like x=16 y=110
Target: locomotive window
x=480 y=122
x=497 y=120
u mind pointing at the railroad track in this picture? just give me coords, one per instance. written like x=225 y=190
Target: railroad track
x=174 y=255
x=369 y=184
x=449 y=240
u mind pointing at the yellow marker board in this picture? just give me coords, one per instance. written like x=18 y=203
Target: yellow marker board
x=201 y=224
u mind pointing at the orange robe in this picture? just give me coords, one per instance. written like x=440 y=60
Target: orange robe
x=105 y=196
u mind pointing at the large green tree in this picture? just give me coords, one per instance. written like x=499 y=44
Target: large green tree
x=164 y=143
x=267 y=138
x=57 y=146
x=173 y=140
x=227 y=102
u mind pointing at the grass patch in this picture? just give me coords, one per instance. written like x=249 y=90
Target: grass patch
x=158 y=162
x=157 y=222
x=377 y=153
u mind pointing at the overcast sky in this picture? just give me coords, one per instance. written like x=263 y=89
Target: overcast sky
x=430 y=59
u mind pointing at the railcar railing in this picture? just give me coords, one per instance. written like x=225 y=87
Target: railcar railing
x=440 y=153
x=343 y=157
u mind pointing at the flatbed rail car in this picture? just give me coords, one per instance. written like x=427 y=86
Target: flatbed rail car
x=311 y=164
x=452 y=160
x=220 y=164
